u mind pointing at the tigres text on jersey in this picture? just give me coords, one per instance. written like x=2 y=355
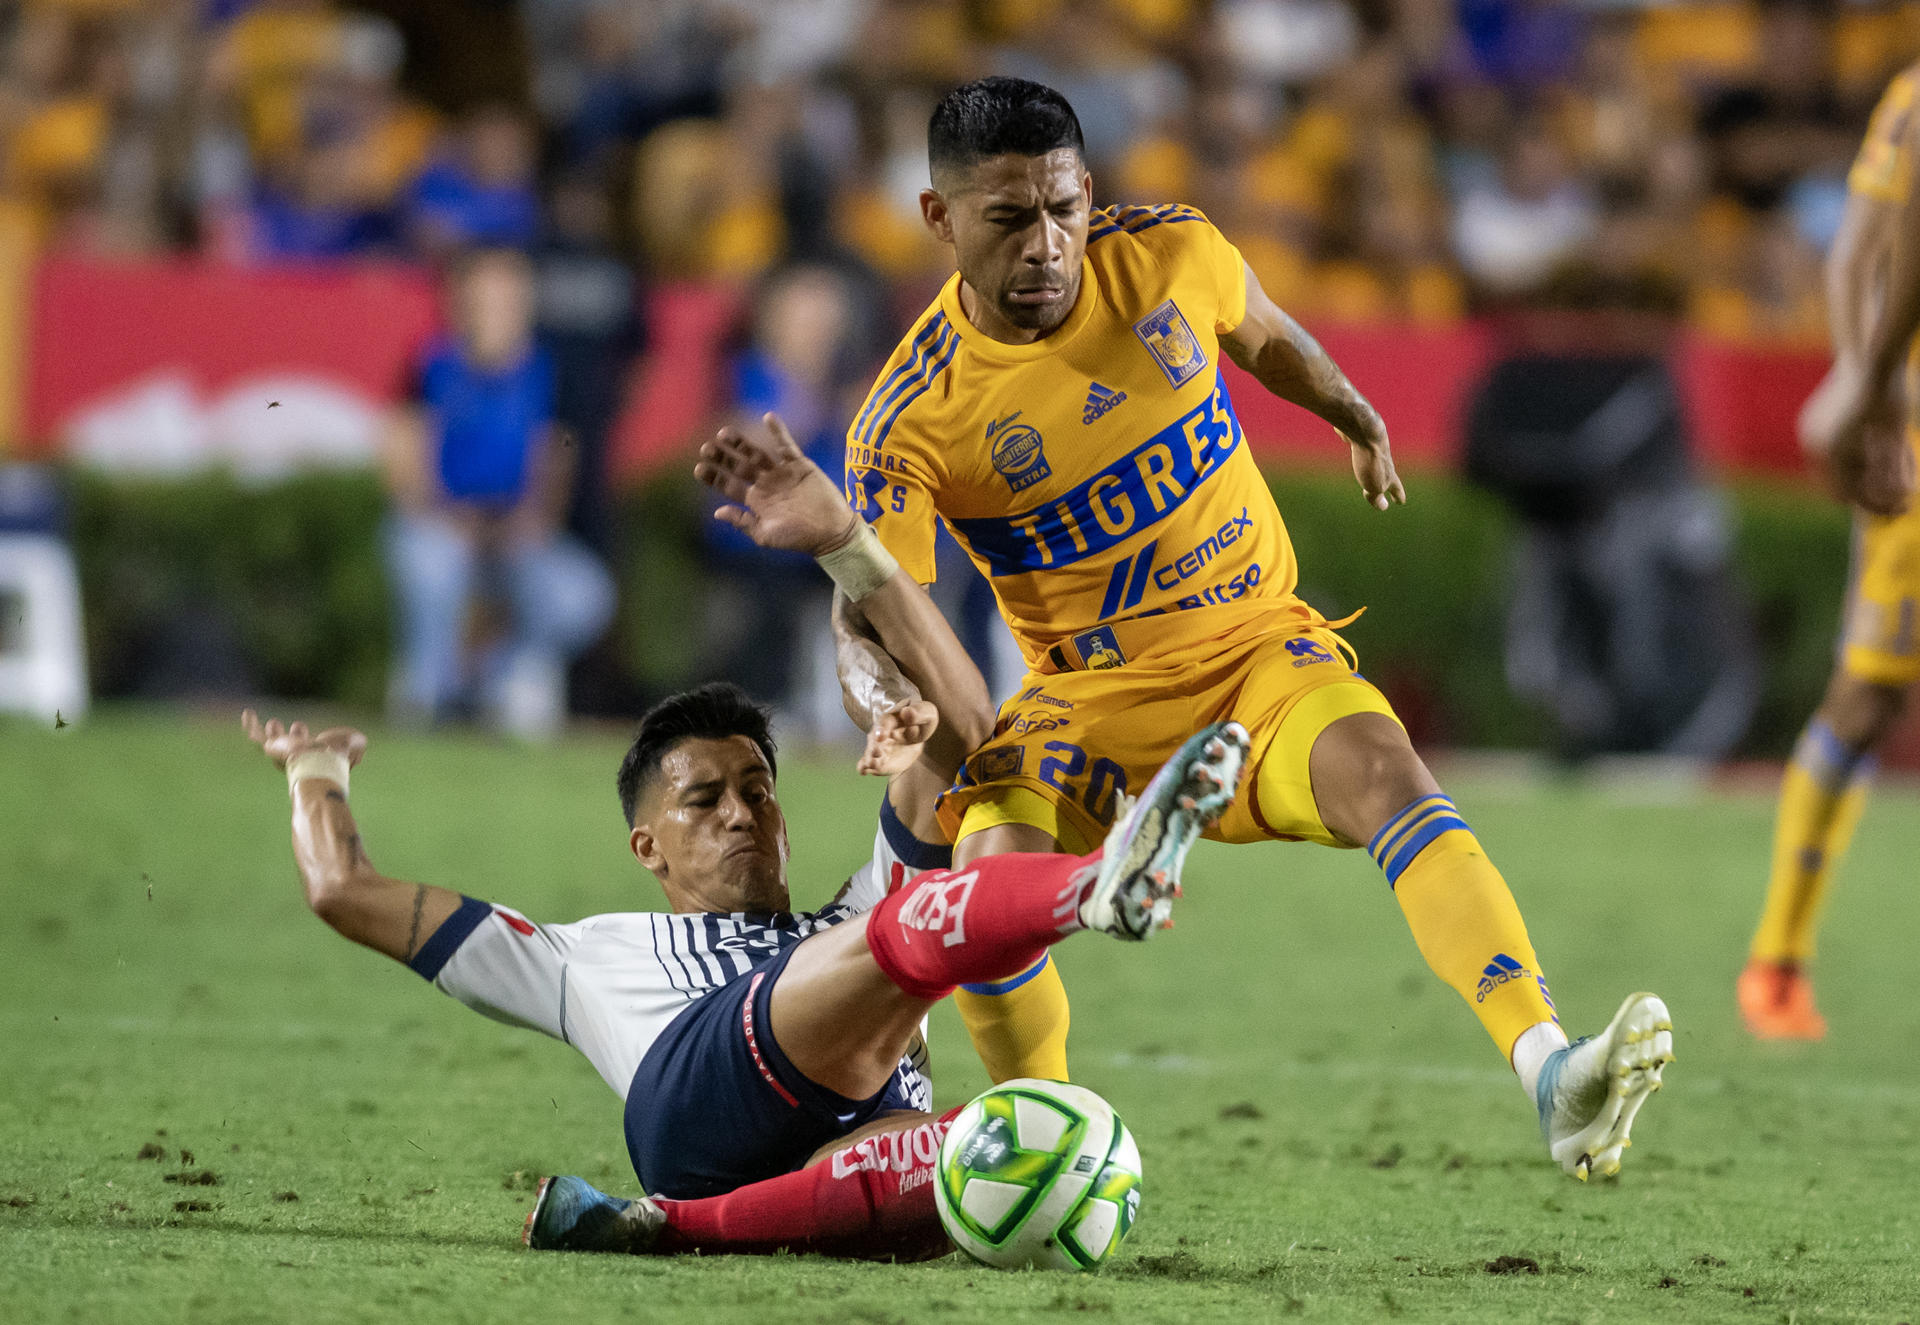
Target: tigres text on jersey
x=1097 y=475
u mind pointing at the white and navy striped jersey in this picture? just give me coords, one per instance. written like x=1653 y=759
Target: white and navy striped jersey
x=610 y=985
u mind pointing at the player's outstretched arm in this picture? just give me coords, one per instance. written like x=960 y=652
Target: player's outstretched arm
x=781 y=499
x=343 y=888
x=1290 y=363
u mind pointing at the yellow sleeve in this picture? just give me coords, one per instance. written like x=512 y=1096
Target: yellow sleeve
x=891 y=492
x=1229 y=271
x=1884 y=168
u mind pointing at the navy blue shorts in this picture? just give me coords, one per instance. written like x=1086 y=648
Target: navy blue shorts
x=715 y=1105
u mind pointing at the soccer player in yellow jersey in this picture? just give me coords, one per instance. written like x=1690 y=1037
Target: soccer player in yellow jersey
x=1857 y=422
x=1060 y=406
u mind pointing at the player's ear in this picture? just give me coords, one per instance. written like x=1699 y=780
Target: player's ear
x=933 y=210
x=646 y=848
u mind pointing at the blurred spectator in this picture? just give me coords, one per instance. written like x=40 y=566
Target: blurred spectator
x=1786 y=118
x=796 y=365
x=310 y=207
x=480 y=190
x=589 y=321
x=1510 y=234
x=480 y=484
x=1370 y=157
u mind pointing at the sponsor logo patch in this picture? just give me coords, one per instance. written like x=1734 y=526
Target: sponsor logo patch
x=1099 y=649
x=996 y=764
x=1017 y=453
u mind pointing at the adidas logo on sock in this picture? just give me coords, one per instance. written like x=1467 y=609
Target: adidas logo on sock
x=1101 y=399
x=1500 y=970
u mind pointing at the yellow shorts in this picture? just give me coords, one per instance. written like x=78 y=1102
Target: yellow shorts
x=1882 y=645
x=1067 y=742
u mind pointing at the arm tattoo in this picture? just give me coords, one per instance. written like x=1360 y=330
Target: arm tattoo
x=413 y=935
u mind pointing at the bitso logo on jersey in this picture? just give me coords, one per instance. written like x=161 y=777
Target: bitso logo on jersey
x=1171 y=341
x=1100 y=401
x=1016 y=452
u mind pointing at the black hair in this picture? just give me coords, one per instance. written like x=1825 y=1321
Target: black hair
x=995 y=116
x=713 y=712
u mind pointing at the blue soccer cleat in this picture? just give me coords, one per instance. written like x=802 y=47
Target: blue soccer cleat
x=1589 y=1092
x=571 y=1214
x=1139 y=872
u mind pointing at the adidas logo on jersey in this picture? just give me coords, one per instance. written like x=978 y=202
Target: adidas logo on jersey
x=1101 y=399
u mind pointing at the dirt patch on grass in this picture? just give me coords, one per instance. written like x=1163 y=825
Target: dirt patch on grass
x=194 y=1207
x=1513 y=1265
x=1244 y=1109
x=204 y=1178
x=1174 y=1265
x=151 y=1150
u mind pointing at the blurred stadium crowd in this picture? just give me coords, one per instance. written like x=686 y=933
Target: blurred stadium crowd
x=1407 y=163
x=1374 y=158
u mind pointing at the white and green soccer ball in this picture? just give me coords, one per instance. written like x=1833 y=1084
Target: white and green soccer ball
x=1038 y=1173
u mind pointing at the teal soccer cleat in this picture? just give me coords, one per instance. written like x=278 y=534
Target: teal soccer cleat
x=570 y=1214
x=1139 y=872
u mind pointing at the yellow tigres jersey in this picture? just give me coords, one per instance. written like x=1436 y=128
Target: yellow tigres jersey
x=1883 y=170
x=1098 y=474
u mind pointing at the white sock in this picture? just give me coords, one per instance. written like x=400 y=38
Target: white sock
x=1530 y=1052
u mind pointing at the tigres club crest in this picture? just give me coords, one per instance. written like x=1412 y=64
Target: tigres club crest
x=1017 y=453
x=1171 y=341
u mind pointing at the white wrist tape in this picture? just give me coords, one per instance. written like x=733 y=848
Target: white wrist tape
x=330 y=765
x=861 y=565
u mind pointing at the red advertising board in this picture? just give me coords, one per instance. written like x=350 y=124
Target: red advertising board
x=172 y=365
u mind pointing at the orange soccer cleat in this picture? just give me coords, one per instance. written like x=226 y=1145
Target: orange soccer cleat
x=1776 y=1001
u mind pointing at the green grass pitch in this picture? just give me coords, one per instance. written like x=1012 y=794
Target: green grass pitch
x=1326 y=1131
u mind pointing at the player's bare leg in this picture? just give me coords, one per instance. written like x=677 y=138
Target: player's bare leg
x=1822 y=795
x=1371 y=788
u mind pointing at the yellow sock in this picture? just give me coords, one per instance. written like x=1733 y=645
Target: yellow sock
x=1463 y=917
x=1822 y=797
x=1019 y=1026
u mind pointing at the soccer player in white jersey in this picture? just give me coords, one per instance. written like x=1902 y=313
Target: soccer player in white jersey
x=773 y=1093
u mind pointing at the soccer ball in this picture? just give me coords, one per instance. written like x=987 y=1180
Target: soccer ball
x=1038 y=1173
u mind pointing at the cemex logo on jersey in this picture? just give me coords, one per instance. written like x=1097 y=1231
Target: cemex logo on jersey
x=1100 y=401
x=1016 y=452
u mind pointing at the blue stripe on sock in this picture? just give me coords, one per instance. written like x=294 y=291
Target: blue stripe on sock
x=1420 y=841
x=1828 y=760
x=1008 y=986
x=1409 y=822
x=1390 y=825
